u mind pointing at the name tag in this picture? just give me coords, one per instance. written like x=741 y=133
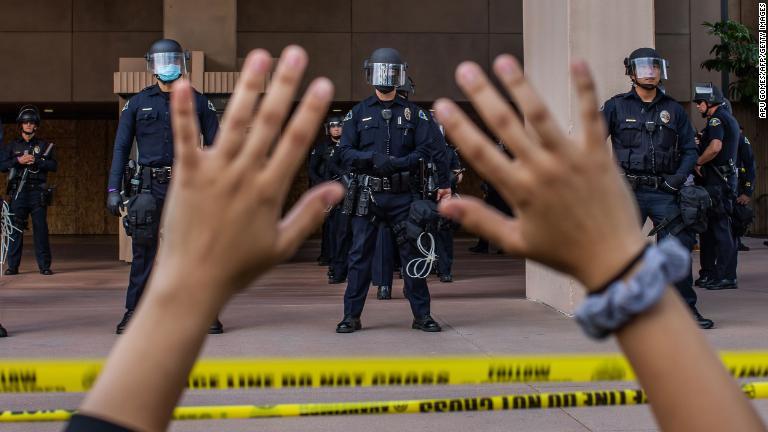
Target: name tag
x=146 y=109
x=367 y=118
x=630 y=120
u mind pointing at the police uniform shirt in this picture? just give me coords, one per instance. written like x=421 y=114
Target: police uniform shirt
x=146 y=116
x=44 y=163
x=724 y=127
x=365 y=133
x=640 y=152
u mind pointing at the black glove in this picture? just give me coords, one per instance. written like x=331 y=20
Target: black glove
x=114 y=202
x=383 y=164
x=673 y=183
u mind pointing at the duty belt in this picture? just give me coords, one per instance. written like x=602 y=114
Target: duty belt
x=396 y=183
x=161 y=175
x=638 y=180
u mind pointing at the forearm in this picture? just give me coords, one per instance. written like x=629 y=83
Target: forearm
x=709 y=154
x=686 y=384
x=154 y=357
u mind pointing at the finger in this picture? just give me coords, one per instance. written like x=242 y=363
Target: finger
x=494 y=110
x=274 y=108
x=486 y=222
x=592 y=121
x=240 y=109
x=184 y=123
x=534 y=109
x=304 y=218
x=297 y=139
x=476 y=148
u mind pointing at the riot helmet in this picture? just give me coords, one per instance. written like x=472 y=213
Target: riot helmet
x=645 y=63
x=166 y=60
x=707 y=92
x=710 y=94
x=333 y=121
x=385 y=70
x=28 y=113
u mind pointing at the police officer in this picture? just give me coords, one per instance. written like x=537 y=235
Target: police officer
x=384 y=138
x=337 y=223
x=745 y=165
x=146 y=118
x=28 y=160
x=386 y=258
x=444 y=238
x=653 y=142
x=319 y=173
x=716 y=171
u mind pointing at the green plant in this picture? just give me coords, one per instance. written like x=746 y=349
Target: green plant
x=735 y=54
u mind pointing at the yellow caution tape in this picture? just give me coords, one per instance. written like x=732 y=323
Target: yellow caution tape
x=594 y=398
x=222 y=374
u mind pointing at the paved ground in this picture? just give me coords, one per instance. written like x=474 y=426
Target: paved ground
x=292 y=312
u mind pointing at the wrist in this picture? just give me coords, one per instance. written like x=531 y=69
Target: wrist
x=612 y=263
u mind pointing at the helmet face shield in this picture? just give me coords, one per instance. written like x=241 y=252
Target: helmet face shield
x=385 y=74
x=648 y=67
x=167 y=64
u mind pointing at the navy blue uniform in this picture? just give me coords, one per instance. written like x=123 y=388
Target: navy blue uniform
x=444 y=237
x=718 y=249
x=653 y=142
x=146 y=117
x=406 y=139
x=318 y=170
x=337 y=223
x=29 y=199
x=745 y=164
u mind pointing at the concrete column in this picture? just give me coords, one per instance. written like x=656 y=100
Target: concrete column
x=204 y=25
x=555 y=32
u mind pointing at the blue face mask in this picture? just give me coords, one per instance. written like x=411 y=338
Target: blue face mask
x=168 y=73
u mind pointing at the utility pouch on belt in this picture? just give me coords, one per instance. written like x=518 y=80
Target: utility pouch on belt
x=142 y=223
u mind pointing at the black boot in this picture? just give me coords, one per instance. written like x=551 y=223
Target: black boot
x=216 y=327
x=384 y=292
x=124 y=322
x=349 y=325
x=426 y=324
x=702 y=281
x=703 y=323
x=722 y=284
x=11 y=271
x=3 y=332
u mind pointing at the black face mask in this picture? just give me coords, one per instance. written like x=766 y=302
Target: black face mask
x=385 y=89
x=646 y=86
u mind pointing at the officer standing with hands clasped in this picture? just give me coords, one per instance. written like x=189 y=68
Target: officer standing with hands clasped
x=146 y=117
x=28 y=160
x=716 y=171
x=653 y=142
x=384 y=138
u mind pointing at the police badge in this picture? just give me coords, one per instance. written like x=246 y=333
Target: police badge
x=36 y=149
x=665 y=116
x=407 y=114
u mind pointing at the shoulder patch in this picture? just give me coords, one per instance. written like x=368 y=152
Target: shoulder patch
x=348 y=116
x=423 y=115
x=602 y=107
x=714 y=121
x=125 y=107
x=211 y=106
